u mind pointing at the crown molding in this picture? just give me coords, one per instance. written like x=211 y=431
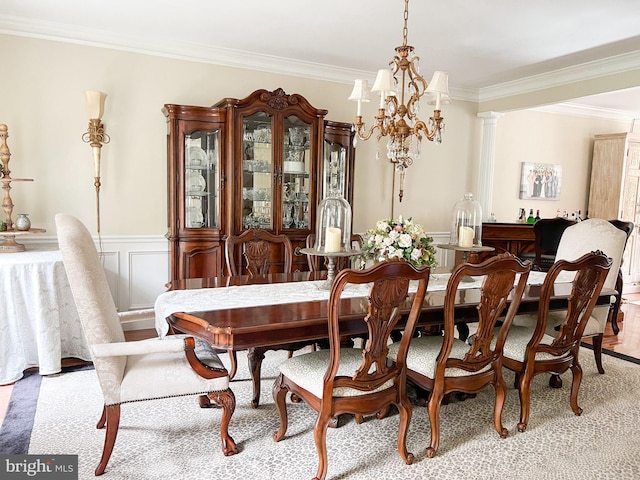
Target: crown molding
x=577 y=110
x=190 y=51
x=563 y=76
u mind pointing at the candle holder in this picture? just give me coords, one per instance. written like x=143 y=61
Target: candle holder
x=331 y=262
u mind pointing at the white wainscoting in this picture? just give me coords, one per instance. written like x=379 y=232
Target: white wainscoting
x=137 y=267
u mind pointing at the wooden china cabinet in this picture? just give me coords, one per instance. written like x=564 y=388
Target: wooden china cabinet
x=258 y=162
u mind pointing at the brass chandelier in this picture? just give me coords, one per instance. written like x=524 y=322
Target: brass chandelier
x=401 y=87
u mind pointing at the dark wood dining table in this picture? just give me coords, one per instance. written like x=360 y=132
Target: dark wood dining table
x=270 y=327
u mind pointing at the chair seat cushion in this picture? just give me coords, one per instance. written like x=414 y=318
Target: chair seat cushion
x=162 y=375
x=307 y=371
x=423 y=352
x=516 y=344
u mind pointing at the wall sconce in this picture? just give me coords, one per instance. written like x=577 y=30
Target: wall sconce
x=96 y=137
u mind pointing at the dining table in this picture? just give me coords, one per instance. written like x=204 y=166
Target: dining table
x=266 y=312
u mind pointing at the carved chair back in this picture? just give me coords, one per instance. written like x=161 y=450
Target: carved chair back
x=528 y=354
x=498 y=288
x=258 y=252
x=591 y=271
x=388 y=294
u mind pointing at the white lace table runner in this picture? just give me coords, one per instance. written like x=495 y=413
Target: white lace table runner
x=276 y=293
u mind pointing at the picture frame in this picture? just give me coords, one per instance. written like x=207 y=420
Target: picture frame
x=540 y=181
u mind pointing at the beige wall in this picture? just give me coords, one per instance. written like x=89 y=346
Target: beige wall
x=42 y=103
x=532 y=136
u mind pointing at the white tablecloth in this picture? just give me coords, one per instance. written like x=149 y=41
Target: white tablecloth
x=39 y=320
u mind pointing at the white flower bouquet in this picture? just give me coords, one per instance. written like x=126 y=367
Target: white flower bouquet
x=399 y=238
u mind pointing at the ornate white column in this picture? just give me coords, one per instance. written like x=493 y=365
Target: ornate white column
x=487 y=161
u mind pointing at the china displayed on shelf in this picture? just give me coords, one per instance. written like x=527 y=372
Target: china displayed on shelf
x=196 y=157
x=195 y=182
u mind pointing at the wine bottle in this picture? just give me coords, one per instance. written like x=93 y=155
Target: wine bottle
x=531 y=219
x=537 y=215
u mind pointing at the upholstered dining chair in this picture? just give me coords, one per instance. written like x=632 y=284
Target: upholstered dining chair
x=259 y=252
x=142 y=370
x=443 y=364
x=529 y=353
x=361 y=381
x=577 y=240
x=626 y=227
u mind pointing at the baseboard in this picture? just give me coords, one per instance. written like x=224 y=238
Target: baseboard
x=138 y=325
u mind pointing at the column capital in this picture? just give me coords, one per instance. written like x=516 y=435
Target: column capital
x=490 y=115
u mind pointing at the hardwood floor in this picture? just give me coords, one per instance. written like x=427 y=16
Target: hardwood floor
x=627 y=342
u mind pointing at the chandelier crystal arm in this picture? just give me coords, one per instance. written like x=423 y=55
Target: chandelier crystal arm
x=379 y=125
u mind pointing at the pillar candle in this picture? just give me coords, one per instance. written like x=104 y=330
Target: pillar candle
x=465 y=237
x=332 y=240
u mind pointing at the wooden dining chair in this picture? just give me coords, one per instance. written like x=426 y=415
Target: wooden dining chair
x=258 y=252
x=577 y=240
x=529 y=352
x=361 y=381
x=443 y=364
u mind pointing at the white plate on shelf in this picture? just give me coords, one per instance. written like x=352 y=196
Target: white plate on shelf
x=195 y=183
x=196 y=157
x=195 y=219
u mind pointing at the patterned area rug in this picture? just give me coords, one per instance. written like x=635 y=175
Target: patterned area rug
x=175 y=439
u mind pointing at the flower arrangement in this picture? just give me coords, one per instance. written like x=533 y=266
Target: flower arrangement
x=399 y=238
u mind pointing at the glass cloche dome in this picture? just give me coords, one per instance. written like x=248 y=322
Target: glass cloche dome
x=333 y=227
x=466 y=225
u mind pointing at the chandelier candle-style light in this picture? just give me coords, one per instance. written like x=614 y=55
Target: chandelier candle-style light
x=96 y=137
x=401 y=87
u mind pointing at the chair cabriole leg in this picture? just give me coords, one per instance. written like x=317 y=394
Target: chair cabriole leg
x=227 y=400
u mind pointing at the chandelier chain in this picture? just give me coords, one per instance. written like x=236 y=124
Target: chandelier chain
x=405 y=29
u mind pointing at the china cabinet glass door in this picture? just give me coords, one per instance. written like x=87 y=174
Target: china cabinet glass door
x=257 y=171
x=296 y=170
x=201 y=177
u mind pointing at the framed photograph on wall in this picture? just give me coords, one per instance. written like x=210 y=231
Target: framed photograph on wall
x=540 y=181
